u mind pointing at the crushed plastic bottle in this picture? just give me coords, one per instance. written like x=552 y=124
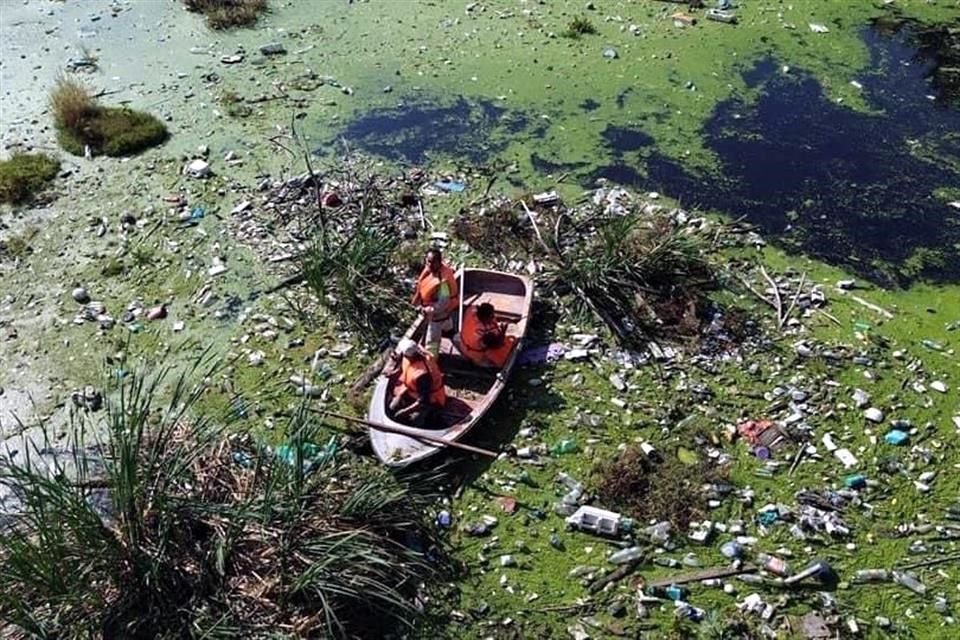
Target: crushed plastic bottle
x=773 y=564
x=910 y=582
x=626 y=555
x=871 y=575
x=672 y=592
x=663 y=561
x=659 y=533
x=564 y=447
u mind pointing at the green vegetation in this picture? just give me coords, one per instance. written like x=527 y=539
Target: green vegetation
x=172 y=529
x=353 y=275
x=225 y=14
x=579 y=26
x=82 y=122
x=924 y=261
x=17 y=246
x=24 y=174
x=113 y=267
x=234 y=104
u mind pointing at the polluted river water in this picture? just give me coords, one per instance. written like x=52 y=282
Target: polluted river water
x=835 y=143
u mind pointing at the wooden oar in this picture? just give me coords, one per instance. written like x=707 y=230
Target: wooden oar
x=413 y=433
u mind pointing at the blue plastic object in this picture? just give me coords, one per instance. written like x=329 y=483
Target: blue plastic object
x=896 y=437
x=450 y=186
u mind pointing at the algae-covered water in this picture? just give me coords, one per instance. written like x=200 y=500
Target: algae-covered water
x=839 y=145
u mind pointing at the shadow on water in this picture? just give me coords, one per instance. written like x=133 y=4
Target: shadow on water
x=416 y=131
x=851 y=188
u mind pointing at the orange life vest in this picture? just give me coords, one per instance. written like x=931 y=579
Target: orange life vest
x=428 y=288
x=471 y=337
x=411 y=370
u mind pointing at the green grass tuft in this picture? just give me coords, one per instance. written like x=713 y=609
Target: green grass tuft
x=81 y=122
x=171 y=528
x=579 y=26
x=24 y=174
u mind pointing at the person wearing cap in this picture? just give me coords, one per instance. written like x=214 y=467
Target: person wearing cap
x=482 y=340
x=436 y=295
x=418 y=394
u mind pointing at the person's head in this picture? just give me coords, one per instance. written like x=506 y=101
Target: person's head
x=486 y=312
x=433 y=260
x=408 y=349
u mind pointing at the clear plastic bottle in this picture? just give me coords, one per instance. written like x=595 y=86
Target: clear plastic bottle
x=773 y=564
x=910 y=582
x=871 y=575
x=663 y=561
x=626 y=555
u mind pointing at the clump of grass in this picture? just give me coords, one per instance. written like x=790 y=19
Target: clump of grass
x=579 y=26
x=113 y=268
x=234 y=105
x=649 y=489
x=354 y=273
x=82 y=123
x=635 y=272
x=225 y=14
x=24 y=174
x=171 y=529
x=16 y=246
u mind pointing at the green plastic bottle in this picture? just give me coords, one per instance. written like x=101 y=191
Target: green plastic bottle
x=563 y=447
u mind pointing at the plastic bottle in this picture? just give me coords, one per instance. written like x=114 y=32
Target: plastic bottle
x=524 y=477
x=556 y=542
x=932 y=344
x=569 y=481
x=910 y=582
x=626 y=555
x=660 y=532
x=673 y=592
x=773 y=564
x=563 y=447
x=666 y=562
x=871 y=575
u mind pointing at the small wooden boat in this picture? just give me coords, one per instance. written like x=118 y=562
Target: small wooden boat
x=471 y=390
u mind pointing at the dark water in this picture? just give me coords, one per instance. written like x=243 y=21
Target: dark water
x=828 y=181
x=853 y=189
x=414 y=132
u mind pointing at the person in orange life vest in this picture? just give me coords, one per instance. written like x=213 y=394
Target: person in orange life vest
x=418 y=394
x=482 y=340
x=437 y=297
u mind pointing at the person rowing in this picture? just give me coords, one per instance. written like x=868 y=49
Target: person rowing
x=418 y=393
x=482 y=339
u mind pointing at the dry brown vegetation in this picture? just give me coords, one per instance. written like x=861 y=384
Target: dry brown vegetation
x=647 y=489
x=225 y=14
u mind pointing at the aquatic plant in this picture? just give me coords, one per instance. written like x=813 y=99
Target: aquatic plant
x=225 y=14
x=82 y=123
x=579 y=26
x=633 y=272
x=649 y=488
x=24 y=174
x=355 y=275
x=170 y=528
